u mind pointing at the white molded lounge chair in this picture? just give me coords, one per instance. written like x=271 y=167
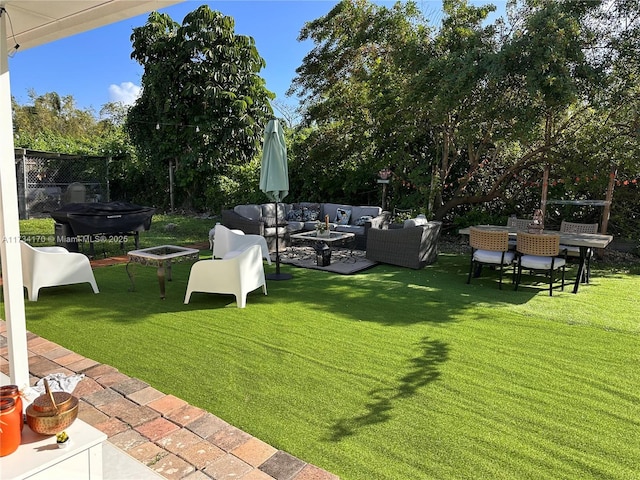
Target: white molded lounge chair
x=231 y=242
x=53 y=266
x=237 y=275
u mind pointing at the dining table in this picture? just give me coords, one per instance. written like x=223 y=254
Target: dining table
x=586 y=242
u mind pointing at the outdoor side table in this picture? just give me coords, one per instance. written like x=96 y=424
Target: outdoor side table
x=160 y=257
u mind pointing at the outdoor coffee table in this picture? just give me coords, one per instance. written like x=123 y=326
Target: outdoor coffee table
x=320 y=241
x=160 y=257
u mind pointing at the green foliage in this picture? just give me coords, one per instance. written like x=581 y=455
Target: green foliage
x=51 y=123
x=464 y=114
x=203 y=105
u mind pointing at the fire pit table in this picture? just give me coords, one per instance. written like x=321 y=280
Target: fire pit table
x=160 y=257
x=323 y=243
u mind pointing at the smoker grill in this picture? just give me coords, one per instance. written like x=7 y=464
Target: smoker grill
x=98 y=219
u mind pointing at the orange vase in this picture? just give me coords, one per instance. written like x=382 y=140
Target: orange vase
x=13 y=392
x=10 y=419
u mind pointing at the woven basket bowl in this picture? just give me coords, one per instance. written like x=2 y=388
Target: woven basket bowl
x=63 y=400
x=46 y=423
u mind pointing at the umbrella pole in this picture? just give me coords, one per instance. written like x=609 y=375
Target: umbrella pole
x=278 y=275
x=277 y=244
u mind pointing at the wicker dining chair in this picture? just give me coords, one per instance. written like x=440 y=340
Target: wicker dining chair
x=519 y=223
x=537 y=252
x=570 y=227
x=489 y=248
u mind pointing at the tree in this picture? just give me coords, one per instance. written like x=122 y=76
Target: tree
x=350 y=85
x=52 y=123
x=203 y=105
x=463 y=112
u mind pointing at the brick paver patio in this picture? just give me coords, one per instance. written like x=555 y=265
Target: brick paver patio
x=173 y=438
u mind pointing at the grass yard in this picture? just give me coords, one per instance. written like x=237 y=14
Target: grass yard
x=390 y=374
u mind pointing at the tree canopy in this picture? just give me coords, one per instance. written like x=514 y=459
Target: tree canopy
x=203 y=105
x=55 y=124
x=467 y=111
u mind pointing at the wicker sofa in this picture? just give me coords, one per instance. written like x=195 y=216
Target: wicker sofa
x=411 y=246
x=303 y=216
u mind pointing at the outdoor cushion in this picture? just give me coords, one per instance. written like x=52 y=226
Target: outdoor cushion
x=343 y=215
x=571 y=250
x=254 y=212
x=310 y=211
x=361 y=211
x=360 y=222
x=271 y=221
x=487 y=256
x=350 y=229
x=536 y=262
x=293 y=227
x=415 y=222
x=331 y=209
x=294 y=215
x=269 y=210
x=271 y=231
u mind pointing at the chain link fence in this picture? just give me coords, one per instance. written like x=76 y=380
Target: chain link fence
x=46 y=181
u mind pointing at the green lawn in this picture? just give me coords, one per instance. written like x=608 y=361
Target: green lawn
x=389 y=374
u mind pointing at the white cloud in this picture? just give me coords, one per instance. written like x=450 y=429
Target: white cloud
x=126 y=92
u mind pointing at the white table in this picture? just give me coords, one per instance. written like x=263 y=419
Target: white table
x=585 y=241
x=39 y=458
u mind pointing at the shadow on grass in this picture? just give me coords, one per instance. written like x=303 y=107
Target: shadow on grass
x=423 y=370
x=384 y=294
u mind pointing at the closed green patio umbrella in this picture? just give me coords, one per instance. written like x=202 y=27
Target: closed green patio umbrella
x=274 y=177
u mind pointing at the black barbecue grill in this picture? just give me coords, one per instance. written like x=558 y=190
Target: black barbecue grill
x=89 y=222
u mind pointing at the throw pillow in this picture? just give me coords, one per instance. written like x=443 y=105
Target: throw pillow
x=342 y=216
x=294 y=215
x=363 y=220
x=310 y=214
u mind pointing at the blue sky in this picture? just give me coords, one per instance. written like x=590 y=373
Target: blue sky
x=95 y=67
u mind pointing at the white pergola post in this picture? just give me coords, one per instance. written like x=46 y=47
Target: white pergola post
x=10 y=229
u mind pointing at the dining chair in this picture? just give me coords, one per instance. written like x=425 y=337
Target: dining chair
x=519 y=223
x=539 y=252
x=571 y=227
x=489 y=248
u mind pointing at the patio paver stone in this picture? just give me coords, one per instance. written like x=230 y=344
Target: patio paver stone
x=176 y=440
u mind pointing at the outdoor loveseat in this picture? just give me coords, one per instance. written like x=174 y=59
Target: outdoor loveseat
x=303 y=216
x=413 y=246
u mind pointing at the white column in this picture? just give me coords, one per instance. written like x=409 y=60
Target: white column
x=10 y=229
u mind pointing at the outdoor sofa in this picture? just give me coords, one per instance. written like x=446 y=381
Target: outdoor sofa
x=304 y=216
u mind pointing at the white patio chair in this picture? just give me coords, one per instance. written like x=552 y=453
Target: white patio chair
x=228 y=243
x=53 y=266
x=237 y=275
